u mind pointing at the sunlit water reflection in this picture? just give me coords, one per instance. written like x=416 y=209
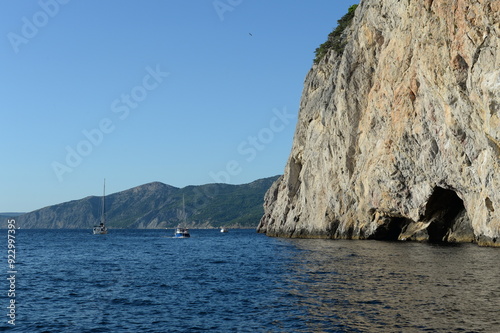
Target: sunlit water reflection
x=373 y=286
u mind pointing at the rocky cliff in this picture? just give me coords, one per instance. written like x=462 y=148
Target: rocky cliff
x=157 y=205
x=398 y=136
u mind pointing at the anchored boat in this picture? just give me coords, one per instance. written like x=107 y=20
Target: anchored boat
x=101 y=228
x=181 y=231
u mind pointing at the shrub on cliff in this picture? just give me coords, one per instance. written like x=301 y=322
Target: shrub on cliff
x=336 y=38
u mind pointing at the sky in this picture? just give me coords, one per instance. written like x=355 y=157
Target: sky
x=175 y=91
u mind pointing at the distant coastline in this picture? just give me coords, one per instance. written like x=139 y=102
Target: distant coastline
x=156 y=206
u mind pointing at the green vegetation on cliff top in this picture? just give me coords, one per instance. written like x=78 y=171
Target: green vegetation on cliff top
x=336 y=39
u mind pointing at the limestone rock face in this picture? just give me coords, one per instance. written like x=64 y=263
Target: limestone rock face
x=398 y=137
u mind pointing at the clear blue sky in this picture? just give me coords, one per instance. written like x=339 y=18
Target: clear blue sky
x=181 y=92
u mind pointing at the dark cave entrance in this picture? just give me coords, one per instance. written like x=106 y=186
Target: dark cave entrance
x=442 y=210
x=445 y=216
x=390 y=229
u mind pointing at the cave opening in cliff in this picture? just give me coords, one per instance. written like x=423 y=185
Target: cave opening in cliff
x=391 y=229
x=442 y=210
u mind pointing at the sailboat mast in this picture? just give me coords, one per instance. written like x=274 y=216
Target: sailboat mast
x=103 y=215
x=184 y=211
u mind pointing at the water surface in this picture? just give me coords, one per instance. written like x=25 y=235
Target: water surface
x=241 y=281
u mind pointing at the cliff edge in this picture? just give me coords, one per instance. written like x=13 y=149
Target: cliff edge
x=398 y=136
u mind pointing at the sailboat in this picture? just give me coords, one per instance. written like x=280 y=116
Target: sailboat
x=181 y=231
x=101 y=228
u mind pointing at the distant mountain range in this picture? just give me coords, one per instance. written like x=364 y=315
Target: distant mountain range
x=157 y=205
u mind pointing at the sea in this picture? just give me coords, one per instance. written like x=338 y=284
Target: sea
x=242 y=281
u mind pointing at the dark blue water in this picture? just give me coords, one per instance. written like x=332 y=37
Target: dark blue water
x=145 y=281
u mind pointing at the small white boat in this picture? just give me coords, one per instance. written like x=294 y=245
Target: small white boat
x=181 y=231
x=222 y=229
x=101 y=228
